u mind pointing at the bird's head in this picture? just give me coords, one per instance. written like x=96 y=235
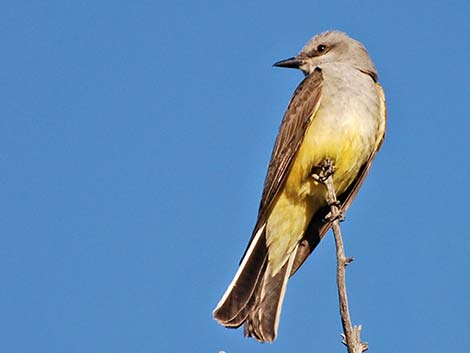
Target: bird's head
x=331 y=47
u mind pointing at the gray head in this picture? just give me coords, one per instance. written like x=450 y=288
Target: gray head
x=331 y=47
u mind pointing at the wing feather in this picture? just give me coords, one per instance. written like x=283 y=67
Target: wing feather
x=300 y=112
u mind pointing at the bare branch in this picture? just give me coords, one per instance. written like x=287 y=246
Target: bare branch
x=351 y=335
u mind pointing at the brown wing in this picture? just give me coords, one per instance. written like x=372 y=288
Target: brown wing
x=299 y=114
x=317 y=227
x=301 y=109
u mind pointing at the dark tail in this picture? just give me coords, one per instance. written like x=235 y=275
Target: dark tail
x=254 y=297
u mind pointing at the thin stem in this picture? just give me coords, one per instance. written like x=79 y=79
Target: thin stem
x=352 y=334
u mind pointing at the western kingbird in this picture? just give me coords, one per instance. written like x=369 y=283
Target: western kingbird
x=337 y=112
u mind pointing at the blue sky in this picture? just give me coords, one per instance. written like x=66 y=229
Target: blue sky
x=134 y=141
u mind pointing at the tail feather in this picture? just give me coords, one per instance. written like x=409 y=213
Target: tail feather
x=255 y=296
x=263 y=321
x=238 y=295
x=241 y=317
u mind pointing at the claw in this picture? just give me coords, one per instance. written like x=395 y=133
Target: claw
x=333 y=216
x=323 y=171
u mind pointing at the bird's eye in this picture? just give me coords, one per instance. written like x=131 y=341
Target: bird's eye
x=321 y=48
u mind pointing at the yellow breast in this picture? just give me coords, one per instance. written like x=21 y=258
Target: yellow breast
x=345 y=143
x=348 y=145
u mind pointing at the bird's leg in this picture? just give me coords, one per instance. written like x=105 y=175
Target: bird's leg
x=323 y=173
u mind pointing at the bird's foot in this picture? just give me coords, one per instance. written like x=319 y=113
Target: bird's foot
x=323 y=171
x=335 y=214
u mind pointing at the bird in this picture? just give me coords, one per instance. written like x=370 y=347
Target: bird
x=337 y=112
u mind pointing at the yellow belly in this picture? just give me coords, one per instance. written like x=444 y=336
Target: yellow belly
x=302 y=196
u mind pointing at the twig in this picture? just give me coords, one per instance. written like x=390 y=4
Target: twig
x=351 y=335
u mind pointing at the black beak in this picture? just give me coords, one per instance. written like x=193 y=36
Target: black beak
x=291 y=63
